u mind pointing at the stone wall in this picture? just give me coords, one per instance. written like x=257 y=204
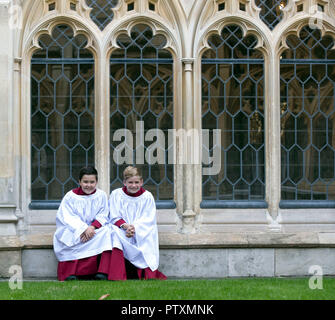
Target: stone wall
x=217 y=255
x=195 y=242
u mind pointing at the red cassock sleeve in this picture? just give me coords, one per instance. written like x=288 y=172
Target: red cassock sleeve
x=96 y=224
x=119 y=223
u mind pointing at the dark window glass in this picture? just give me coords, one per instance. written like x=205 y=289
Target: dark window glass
x=152 y=6
x=221 y=6
x=102 y=11
x=233 y=101
x=62 y=113
x=141 y=84
x=130 y=6
x=307 y=73
x=271 y=11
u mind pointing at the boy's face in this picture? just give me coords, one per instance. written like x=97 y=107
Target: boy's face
x=88 y=183
x=133 y=184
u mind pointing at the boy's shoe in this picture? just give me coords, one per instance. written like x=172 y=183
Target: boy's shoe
x=100 y=276
x=69 y=278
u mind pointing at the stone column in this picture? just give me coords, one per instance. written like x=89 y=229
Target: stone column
x=8 y=218
x=10 y=254
x=272 y=138
x=187 y=148
x=102 y=118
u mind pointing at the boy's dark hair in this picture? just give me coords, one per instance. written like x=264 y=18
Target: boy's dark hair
x=88 y=170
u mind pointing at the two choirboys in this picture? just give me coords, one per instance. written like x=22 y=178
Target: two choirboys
x=115 y=239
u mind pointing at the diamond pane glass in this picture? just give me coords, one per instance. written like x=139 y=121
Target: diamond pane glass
x=307 y=73
x=271 y=11
x=102 y=11
x=141 y=100
x=62 y=113
x=233 y=102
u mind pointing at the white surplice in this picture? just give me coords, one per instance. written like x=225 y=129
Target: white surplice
x=74 y=215
x=141 y=249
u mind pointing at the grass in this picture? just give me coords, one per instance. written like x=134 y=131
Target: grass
x=220 y=289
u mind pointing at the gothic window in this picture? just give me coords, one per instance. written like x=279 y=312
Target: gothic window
x=141 y=96
x=233 y=101
x=308 y=117
x=271 y=11
x=102 y=11
x=62 y=113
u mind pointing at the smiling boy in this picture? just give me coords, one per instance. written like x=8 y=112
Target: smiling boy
x=82 y=233
x=133 y=218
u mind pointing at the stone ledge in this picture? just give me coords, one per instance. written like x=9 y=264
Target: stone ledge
x=327 y=237
x=8 y=243
x=38 y=241
x=198 y=240
x=248 y=240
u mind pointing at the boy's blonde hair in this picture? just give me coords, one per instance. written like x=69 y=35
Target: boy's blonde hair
x=130 y=172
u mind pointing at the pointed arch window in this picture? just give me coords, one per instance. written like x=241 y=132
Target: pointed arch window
x=62 y=113
x=233 y=102
x=141 y=96
x=307 y=72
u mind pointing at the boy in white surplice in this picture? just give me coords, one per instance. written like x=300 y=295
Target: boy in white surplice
x=133 y=218
x=82 y=241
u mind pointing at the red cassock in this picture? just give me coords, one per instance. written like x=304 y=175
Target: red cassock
x=111 y=263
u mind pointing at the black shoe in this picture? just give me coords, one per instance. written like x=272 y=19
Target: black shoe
x=69 y=278
x=100 y=276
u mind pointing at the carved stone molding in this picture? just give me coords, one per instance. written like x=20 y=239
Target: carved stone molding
x=157 y=28
x=295 y=28
x=188 y=64
x=187 y=6
x=248 y=28
x=47 y=28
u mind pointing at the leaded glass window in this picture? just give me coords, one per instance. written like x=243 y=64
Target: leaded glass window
x=233 y=101
x=141 y=94
x=62 y=113
x=102 y=11
x=271 y=11
x=307 y=73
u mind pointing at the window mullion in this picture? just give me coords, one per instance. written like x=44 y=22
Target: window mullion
x=102 y=137
x=272 y=133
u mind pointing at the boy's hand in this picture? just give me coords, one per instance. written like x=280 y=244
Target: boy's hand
x=130 y=230
x=87 y=234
